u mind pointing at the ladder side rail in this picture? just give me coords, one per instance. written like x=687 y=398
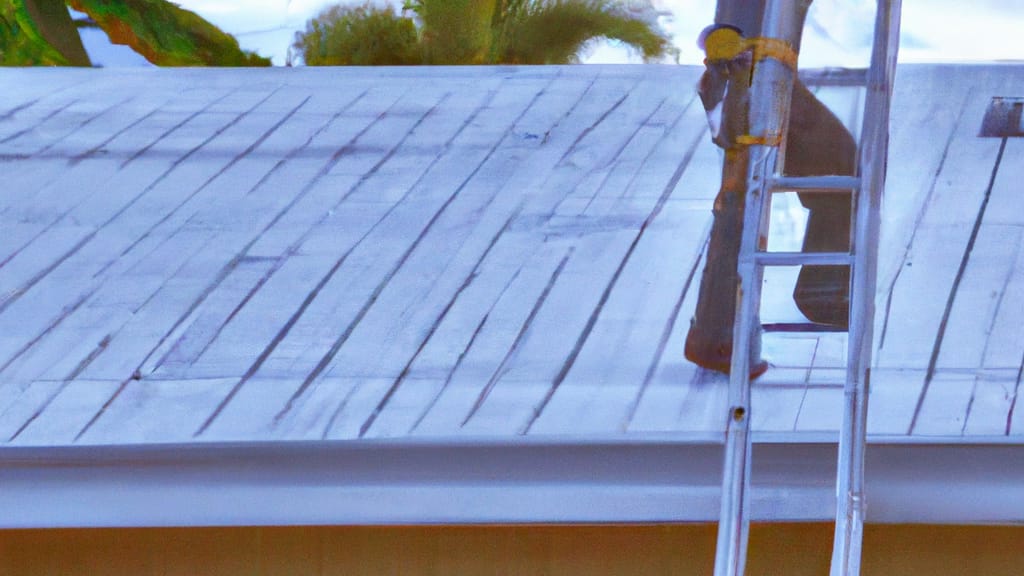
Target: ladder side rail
x=850 y=505
x=770 y=94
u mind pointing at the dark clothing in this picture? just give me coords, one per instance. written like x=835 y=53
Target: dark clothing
x=820 y=144
x=817 y=144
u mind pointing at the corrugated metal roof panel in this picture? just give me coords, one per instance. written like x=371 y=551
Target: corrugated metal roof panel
x=202 y=256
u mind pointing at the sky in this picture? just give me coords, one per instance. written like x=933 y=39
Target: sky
x=838 y=32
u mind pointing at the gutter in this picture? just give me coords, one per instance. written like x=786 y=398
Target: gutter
x=646 y=479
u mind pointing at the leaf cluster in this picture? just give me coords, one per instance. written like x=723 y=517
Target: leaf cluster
x=473 y=32
x=32 y=33
x=166 y=34
x=358 y=36
x=557 y=31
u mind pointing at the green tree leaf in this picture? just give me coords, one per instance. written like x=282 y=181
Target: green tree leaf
x=555 y=32
x=481 y=32
x=165 y=34
x=456 y=31
x=358 y=36
x=40 y=32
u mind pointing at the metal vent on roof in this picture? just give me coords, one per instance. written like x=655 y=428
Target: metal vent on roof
x=1004 y=118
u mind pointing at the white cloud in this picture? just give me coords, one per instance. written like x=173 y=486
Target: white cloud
x=306 y=8
x=948 y=30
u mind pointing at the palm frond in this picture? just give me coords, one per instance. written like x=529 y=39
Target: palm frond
x=556 y=31
x=455 y=31
x=364 y=35
x=165 y=34
x=504 y=31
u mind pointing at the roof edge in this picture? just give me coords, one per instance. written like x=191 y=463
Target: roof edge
x=478 y=481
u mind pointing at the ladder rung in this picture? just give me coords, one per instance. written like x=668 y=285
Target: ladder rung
x=803 y=258
x=799 y=327
x=835 y=77
x=819 y=184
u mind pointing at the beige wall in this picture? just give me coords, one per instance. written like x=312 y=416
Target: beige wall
x=788 y=549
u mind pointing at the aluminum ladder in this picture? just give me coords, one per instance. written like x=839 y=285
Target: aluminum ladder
x=769 y=106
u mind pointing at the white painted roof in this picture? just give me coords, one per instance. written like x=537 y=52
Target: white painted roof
x=209 y=255
x=265 y=256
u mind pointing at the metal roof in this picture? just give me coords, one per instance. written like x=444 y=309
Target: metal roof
x=254 y=257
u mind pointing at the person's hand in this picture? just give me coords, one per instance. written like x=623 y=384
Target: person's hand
x=723 y=91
